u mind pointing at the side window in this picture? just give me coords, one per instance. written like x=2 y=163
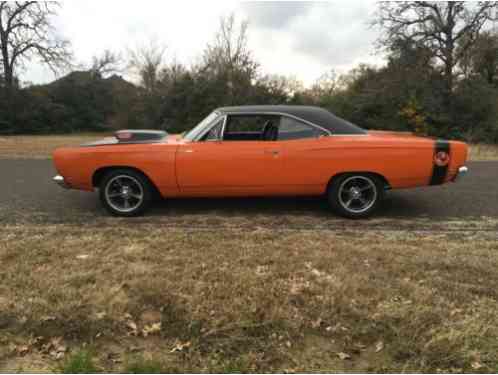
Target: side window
x=214 y=134
x=247 y=127
x=290 y=129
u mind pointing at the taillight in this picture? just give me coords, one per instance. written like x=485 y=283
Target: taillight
x=442 y=158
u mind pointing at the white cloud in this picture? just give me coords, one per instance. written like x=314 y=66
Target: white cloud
x=301 y=39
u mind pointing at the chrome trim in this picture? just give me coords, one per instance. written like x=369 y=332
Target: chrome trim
x=210 y=126
x=462 y=171
x=59 y=180
x=222 y=135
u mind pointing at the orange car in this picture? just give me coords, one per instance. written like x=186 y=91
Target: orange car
x=259 y=151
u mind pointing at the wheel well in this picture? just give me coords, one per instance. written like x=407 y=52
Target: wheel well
x=387 y=186
x=101 y=172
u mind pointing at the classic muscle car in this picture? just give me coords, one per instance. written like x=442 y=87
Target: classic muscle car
x=259 y=151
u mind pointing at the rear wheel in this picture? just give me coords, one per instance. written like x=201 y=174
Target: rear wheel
x=124 y=192
x=355 y=195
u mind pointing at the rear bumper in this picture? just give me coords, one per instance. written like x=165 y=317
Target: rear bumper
x=59 y=180
x=462 y=171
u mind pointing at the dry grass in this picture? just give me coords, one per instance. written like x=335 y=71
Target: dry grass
x=41 y=146
x=483 y=152
x=236 y=300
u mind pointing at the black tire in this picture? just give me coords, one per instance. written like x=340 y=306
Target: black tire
x=345 y=188
x=125 y=192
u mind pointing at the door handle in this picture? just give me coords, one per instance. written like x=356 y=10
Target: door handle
x=189 y=151
x=272 y=152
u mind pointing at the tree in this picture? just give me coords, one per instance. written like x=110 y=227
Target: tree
x=26 y=32
x=107 y=63
x=229 y=60
x=147 y=62
x=439 y=26
x=482 y=58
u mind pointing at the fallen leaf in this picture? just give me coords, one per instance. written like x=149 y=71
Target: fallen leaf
x=47 y=318
x=132 y=326
x=151 y=329
x=179 y=347
x=476 y=365
x=82 y=256
x=22 y=349
x=343 y=356
x=379 y=346
x=59 y=355
x=316 y=272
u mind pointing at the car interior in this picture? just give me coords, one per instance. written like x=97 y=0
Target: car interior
x=263 y=128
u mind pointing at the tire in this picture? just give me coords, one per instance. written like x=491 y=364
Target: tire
x=125 y=192
x=355 y=195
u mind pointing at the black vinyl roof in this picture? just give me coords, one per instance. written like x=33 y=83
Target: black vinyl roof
x=315 y=115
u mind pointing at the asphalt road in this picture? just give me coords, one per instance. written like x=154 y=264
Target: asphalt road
x=27 y=192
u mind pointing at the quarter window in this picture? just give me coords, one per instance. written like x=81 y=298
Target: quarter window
x=290 y=129
x=214 y=134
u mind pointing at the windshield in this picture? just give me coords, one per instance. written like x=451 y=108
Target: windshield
x=199 y=128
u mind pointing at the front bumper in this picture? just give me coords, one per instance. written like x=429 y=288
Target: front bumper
x=462 y=171
x=59 y=180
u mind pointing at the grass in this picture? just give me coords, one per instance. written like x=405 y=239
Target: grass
x=142 y=365
x=42 y=146
x=148 y=298
x=481 y=151
x=80 y=362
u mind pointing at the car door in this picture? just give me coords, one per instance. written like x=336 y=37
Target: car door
x=240 y=164
x=306 y=156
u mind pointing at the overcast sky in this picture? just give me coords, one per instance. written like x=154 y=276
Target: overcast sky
x=304 y=39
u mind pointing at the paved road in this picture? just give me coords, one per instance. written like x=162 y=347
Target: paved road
x=27 y=192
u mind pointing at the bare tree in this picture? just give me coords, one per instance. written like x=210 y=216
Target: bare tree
x=107 y=63
x=440 y=26
x=26 y=32
x=147 y=62
x=229 y=54
x=326 y=85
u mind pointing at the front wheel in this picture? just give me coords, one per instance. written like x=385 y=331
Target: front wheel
x=355 y=196
x=124 y=192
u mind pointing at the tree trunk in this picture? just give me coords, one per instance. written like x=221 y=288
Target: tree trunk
x=7 y=68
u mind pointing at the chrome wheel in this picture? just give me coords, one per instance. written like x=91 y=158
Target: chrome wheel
x=357 y=194
x=124 y=193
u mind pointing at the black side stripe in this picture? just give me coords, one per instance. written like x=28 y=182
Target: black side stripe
x=439 y=173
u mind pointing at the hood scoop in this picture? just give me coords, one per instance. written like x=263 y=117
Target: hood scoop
x=140 y=136
x=131 y=137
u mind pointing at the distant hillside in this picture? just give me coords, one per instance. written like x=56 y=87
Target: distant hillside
x=82 y=100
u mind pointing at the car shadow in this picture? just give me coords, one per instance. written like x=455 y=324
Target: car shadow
x=395 y=205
